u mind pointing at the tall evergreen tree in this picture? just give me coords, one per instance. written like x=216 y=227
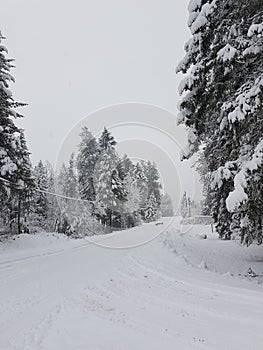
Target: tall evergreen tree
x=166 y=206
x=106 y=140
x=72 y=183
x=117 y=185
x=72 y=210
x=88 y=155
x=61 y=180
x=40 y=198
x=153 y=180
x=128 y=166
x=132 y=204
x=222 y=106
x=141 y=183
x=150 y=209
x=24 y=178
x=104 y=185
x=14 y=158
x=184 y=206
x=53 y=207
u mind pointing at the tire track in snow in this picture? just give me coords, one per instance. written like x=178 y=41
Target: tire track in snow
x=38 y=333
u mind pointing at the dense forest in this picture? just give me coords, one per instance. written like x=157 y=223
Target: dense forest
x=96 y=192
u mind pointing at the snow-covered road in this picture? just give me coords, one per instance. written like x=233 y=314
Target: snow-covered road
x=65 y=294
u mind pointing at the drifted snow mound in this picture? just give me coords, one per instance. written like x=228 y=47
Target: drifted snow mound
x=203 y=249
x=27 y=246
x=28 y=241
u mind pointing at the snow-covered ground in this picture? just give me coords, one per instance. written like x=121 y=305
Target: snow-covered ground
x=177 y=291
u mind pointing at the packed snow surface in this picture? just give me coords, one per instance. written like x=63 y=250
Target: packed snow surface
x=177 y=291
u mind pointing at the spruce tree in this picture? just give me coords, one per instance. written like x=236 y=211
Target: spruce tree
x=40 y=199
x=153 y=180
x=184 y=206
x=222 y=106
x=141 y=183
x=106 y=140
x=132 y=204
x=105 y=196
x=150 y=209
x=87 y=157
x=61 y=180
x=117 y=184
x=127 y=164
x=23 y=193
x=53 y=207
x=72 y=209
x=166 y=206
x=72 y=183
x=15 y=176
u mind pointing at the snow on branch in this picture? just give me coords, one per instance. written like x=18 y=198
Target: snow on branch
x=246 y=102
x=227 y=53
x=191 y=146
x=194 y=5
x=238 y=196
x=202 y=18
x=255 y=29
x=222 y=173
x=255 y=33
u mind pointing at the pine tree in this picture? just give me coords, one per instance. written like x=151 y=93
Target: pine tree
x=44 y=208
x=139 y=173
x=141 y=183
x=117 y=185
x=132 y=204
x=61 y=180
x=63 y=221
x=40 y=199
x=222 y=106
x=8 y=130
x=24 y=178
x=127 y=164
x=150 y=209
x=184 y=206
x=72 y=183
x=104 y=187
x=166 y=206
x=106 y=140
x=53 y=207
x=72 y=210
x=14 y=160
x=153 y=180
x=88 y=155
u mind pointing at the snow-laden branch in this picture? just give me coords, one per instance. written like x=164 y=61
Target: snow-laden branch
x=227 y=53
x=202 y=18
x=255 y=29
x=238 y=196
x=247 y=102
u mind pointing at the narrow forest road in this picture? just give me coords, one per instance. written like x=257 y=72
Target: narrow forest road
x=73 y=295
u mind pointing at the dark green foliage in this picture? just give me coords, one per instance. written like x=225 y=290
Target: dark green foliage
x=16 y=180
x=222 y=107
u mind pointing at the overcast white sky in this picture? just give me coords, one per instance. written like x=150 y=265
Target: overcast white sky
x=74 y=57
